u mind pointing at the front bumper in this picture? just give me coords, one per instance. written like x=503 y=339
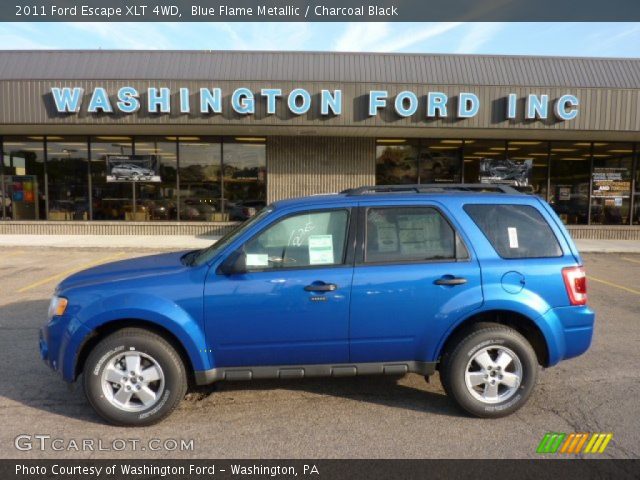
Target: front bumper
x=44 y=348
x=59 y=342
x=49 y=340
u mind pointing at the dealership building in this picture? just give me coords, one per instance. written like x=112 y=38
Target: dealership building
x=185 y=142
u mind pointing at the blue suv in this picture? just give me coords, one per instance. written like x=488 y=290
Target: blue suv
x=479 y=282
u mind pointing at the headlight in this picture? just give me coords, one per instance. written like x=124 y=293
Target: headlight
x=58 y=306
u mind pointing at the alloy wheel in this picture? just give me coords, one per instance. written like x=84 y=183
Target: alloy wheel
x=493 y=374
x=133 y=381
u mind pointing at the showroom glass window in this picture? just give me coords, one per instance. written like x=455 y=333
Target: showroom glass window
x=5 y=199
x=570 y=172
x=396 y=162
x=483 y=160
x=611 y=183
x=401 y=161
x=200 y=188
x=528 y=165
x=112 y=199
x=244 y=166
x=68 y=178
x=157 y=197
x=636 y=200
x=24 y=178
x=440 y=161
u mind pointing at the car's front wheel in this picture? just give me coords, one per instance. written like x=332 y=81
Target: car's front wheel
x=134 y=377
x=491 y=371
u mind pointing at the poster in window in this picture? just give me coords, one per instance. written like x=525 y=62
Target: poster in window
x=133 y=168
x=22 y=196
x=506 y=171
x=439 y=166
x=564 y=193
x=611 y=182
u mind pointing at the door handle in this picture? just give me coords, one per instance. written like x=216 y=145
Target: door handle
x=451 y=281
x=321 y=287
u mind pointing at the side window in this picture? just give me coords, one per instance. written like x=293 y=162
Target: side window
x=404 y=234
x=515 y=231
x=303 y=240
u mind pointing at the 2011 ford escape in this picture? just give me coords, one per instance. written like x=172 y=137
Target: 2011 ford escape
x=480 y=282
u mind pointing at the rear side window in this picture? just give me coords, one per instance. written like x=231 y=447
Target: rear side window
x=406 y=234
x=515 y=231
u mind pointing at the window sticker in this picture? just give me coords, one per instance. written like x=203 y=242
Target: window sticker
x=387 y=237
x=411 y=233
x=257 y=260
x=320 y=249
x=513 y=237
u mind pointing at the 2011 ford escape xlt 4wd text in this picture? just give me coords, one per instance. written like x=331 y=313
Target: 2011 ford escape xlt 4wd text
x=479 y=282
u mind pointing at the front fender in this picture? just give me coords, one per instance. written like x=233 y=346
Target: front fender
x=157 y=311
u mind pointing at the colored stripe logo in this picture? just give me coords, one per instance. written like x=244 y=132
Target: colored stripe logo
x=574 y=443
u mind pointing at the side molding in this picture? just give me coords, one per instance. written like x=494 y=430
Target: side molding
x=204 y=377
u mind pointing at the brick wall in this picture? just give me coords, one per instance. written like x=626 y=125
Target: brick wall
x=298 y=166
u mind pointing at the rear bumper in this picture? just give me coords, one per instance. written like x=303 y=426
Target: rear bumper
x=573 y=328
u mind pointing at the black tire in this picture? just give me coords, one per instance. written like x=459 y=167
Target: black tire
x=150 y=347
x=458 y=358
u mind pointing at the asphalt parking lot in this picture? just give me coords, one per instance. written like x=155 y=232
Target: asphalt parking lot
x=371 y=417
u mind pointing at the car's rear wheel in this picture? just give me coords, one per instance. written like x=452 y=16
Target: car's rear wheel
x=491 y=371
x=134 y=377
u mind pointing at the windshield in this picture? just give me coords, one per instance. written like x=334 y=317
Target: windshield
x=200 y=257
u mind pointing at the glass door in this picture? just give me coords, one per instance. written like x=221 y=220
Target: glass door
x=611 y=183
x=24 y=192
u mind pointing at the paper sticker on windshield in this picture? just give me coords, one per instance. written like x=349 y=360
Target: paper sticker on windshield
x=513 y=237
x=257 y=260
x=320 y=249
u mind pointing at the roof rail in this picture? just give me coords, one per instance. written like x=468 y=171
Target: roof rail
x=433 y=188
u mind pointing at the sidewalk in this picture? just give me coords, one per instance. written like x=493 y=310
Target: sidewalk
x=180 y=242
x=608 y=246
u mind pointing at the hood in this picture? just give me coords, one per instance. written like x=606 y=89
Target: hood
x=152 y=265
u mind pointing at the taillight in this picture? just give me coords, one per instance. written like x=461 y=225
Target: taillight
x=575 y=279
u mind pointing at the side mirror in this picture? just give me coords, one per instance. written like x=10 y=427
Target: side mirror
x=234 y=264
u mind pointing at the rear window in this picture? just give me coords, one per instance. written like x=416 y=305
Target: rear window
x=515 y=231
